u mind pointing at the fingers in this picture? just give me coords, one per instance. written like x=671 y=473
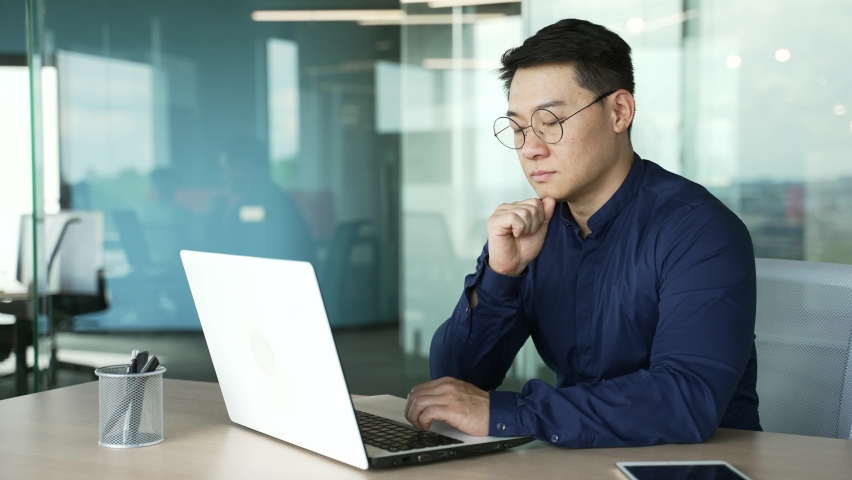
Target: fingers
x=435 y=387
x=520 y=218
x=435 y=412
x=503 y=223
x=423 y=403
x=533 y=206
x=519 y=223
x=536 y=204
x=435 y=393
x=459 y=404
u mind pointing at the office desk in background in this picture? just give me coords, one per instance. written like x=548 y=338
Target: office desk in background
x=14 y=300
x=54 y=435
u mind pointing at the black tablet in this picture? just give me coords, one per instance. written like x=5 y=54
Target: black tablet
x=699 y=470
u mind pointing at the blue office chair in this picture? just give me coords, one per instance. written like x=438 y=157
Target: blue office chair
x=349 y=275
x=804 y=357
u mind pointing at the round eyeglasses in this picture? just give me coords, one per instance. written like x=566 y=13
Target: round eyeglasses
x=546 y=125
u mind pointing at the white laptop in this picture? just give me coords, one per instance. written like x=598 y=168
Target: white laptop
x=277 y=364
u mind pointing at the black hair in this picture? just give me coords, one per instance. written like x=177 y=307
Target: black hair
x=601 y=58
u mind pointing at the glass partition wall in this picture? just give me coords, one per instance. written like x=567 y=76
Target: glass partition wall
x=207 y=126
x=454 y=172
x=755 y=107
x=24 y=334
x=353 y=142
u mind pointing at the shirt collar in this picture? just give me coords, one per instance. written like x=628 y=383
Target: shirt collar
x=622 y=197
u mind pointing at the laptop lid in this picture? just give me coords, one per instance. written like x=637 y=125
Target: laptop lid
x=274 y=355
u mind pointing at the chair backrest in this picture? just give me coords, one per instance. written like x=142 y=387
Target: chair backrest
x=804 y=360
x=349 y=275
x=74 y=244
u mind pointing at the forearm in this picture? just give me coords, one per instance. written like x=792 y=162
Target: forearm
x=648 y=407
x=487 y=328
x=476 y=348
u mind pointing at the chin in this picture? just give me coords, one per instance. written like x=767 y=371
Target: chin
x=545 y=191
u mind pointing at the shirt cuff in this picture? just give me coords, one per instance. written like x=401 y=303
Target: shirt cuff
x=503 y=415
x=497 y=285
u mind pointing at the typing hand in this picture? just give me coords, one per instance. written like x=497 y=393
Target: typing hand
x=516 y=234
x=452 y=401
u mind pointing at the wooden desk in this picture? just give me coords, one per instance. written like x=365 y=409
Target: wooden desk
x=54 y=434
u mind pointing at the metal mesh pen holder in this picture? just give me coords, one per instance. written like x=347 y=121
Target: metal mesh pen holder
x=131 y=407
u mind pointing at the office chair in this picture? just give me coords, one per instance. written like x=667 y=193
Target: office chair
x=804 y=357
x=75 y=282
x=349 y=275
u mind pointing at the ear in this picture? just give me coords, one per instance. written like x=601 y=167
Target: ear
x=623 y=109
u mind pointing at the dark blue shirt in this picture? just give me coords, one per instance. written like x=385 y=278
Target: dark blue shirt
x=648 y=323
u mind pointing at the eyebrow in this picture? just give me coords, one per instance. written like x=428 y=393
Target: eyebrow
x=552 y=103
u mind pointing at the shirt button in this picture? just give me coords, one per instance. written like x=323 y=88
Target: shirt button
x=466 y=309
x=501 y=426
x=554 y=438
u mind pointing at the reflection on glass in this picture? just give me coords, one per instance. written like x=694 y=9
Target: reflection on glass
x=253 y=215
x=454 y=171
x=222 y=135
x=107 y=115
x=283 y=85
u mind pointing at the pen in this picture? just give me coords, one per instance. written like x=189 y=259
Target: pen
x=133 y=366
x=141 y=359
x=151 y=364
x=126 y=430
x=138 y=398
x=129 y=408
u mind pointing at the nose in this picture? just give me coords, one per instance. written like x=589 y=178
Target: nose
x=534 y=148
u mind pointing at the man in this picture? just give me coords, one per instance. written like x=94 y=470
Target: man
x=636 y=285
x=256 y=218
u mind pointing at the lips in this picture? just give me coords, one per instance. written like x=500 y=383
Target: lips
x=541 y=175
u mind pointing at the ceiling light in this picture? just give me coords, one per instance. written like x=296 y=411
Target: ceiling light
x=432 y=19
x=367 y=17
x=635 y=24
x=325 y=15
x=465 y=3
x=466 y=63
x=839 y=110
x=782 y=55
x=733 y=61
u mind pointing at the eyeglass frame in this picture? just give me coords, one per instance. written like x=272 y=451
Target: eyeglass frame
x=560 y=122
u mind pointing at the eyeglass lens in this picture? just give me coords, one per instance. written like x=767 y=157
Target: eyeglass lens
x=544 y=124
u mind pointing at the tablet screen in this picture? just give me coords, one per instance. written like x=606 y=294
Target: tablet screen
x=683 y=472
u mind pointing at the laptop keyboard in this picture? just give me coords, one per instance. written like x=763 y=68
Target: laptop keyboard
x=383 y=433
